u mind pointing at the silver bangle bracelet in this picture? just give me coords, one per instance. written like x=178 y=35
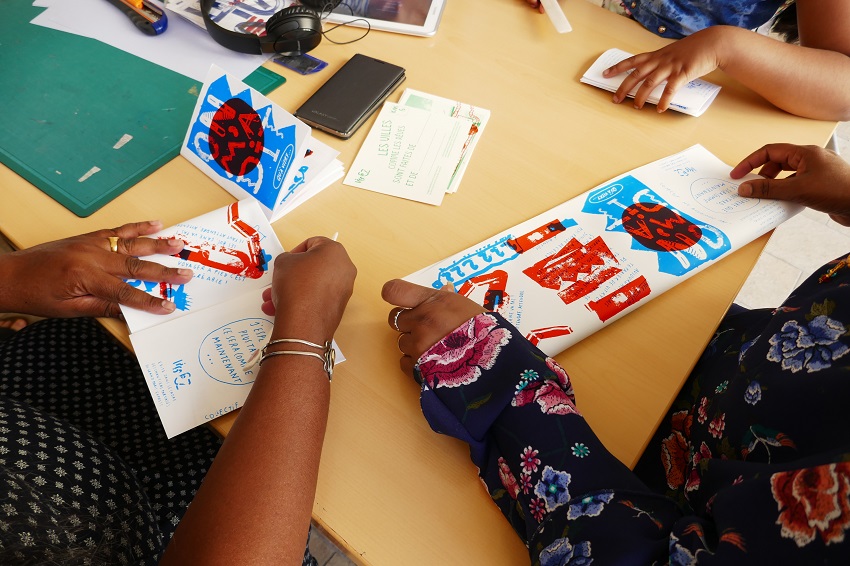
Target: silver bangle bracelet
x=328 y=355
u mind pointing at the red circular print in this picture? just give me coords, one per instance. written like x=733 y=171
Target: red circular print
x=659 y=228
x=236 y=137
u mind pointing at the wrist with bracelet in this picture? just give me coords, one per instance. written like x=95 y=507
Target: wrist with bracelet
x=327 y=355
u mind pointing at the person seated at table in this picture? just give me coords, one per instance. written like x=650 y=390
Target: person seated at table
x=751 y=466
x=807 y=75
x=88 y=476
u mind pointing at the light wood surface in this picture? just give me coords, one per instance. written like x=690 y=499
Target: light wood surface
x=390 y=490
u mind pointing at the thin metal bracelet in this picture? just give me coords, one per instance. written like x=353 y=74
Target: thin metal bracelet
x=328 y=356
x=296 y=341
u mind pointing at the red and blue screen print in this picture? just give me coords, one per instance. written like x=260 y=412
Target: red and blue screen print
x=681 y=242
x=243 y=144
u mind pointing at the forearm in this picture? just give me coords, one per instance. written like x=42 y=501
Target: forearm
x=814 y=83
x=256 y=501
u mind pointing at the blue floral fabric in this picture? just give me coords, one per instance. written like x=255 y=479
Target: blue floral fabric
x=679 y=18
x=751 y=465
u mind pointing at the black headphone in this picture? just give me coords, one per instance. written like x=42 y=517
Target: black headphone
x=291 y=31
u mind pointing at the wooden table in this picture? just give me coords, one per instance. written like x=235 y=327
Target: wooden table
x=390 y=490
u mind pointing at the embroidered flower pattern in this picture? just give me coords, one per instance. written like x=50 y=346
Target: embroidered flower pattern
x=562 y=553
x=508 y=479
x=753 y=393
x=555 y=396
x=812 y=347
x=459 y=358
x=674 y=450
x=590 y=506
x=813 y=503
x=580 y=450
x=529 y=460
x=717 y=425
x=537 y=508
x=704 y=453
x=525 y=483
x=525 y=378
x=722 y=387
x=553 y=488
x=702 y=410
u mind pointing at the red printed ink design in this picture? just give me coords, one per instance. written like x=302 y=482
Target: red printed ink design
x=236 y=137
x=537 y=236
x=495 y=298
x=251 y=264
x=614 y=303
x=584 y=266
x=538 y=334
x=659 y=228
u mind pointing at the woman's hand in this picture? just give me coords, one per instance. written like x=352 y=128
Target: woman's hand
x=312 y=284
x=821 y=180
x=678 y=63
x=424 y=316
x=535 y=4
x=81 y=276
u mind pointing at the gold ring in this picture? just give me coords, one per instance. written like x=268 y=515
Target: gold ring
x=398 y=343
x=398 y=311
x=113 y=243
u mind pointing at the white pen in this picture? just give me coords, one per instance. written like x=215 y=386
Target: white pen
x=556 y=14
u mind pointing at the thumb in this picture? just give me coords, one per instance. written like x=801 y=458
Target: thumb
x=406 y=294
x=777 y=189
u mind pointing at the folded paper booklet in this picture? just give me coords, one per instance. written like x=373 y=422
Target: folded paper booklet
x=476 y=118
x=576 y=268
x=411 y=153
x=195 y=360
x=694 y=98
x=253 y=148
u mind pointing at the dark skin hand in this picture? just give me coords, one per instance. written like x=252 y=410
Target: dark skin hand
x=821 y=179
x=426 y=316
x=81 y=276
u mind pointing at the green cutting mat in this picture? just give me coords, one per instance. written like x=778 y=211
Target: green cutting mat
x=68 y=100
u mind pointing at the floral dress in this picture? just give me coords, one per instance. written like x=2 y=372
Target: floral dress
x=751 y=466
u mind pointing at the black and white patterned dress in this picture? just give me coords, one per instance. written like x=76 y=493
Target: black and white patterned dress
x=87 y=475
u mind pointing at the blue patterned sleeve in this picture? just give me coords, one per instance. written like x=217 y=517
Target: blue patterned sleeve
x=565 y=495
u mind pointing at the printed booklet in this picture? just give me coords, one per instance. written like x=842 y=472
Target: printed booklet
x=196 y=359
x=576 y=268
x=255 y=149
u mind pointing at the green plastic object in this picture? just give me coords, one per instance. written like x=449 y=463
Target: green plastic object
x=84 y=121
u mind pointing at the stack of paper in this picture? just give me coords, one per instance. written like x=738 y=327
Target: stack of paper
x=694 y=98
x=418 y=148
x=254 y=148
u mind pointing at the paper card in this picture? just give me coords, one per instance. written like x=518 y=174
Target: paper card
x=409 y=153
x=320 y=162
x=244 y=142
x=230 y=251
x=576 y=268
x=477 y=118
x=693 y=99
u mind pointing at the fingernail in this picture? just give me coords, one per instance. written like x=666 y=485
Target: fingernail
x=616 y=99
x=606 y=72
x=175 y=243
x=168 y=305
x=745 y=190
x=155 y=222
x=637 y=107
x=184 y=272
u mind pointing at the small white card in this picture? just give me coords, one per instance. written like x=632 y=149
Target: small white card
x=693 y=99
x=476 y=118
x=409 y=153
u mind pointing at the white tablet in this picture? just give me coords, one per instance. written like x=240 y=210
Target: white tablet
x=413 y=17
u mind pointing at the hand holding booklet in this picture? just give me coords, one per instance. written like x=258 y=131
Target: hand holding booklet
x=197 y=360
x=578 y=267
x=694 y=98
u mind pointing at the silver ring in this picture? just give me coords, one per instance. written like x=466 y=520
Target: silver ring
x=395 y=318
